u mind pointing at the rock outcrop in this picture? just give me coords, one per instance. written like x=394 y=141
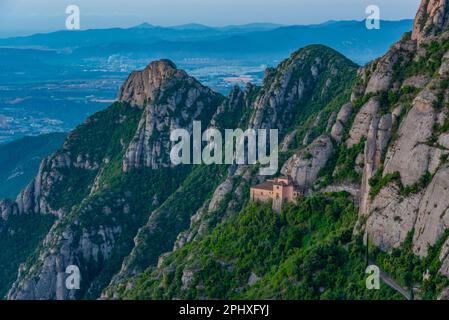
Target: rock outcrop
x=382 y=71
x=34 y=198
x=432 y=18
x=392 y=217
x=296 y=82
x=410 y=155
x=343 y=115
x=8 y=208
x=304 y=166
x=433 y=215
x=143 y=87
x=417 y=202
x=362 y=122
x=49 y=280
x=286 y=90
x=377 y=141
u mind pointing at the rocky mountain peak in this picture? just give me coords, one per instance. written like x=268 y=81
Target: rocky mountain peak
x=432 y=17
x=306 y=77
x=145 y=85
x=171 y=99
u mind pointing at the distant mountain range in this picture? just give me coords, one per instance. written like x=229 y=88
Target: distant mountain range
x=352 y=38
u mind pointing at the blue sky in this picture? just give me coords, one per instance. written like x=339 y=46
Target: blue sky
x=28 y=16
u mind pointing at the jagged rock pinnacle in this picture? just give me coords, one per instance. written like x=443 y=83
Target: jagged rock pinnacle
x=144 y=85
x=432 y=18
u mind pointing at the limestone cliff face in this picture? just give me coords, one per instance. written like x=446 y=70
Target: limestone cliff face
x=7 y=209
x=171 y=100
x=403 y=121
x=234 y=110
x=340 y=121
x=50 y=267
x=362 y=122
x=226 y=200
x=390 y=133
x=410 y=155
x=143 y=87
x=35 y=198
x=413 y=156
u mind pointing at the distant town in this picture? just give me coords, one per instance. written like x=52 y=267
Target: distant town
x=29 y=107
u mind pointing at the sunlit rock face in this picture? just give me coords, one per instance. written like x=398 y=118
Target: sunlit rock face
x=432 y=17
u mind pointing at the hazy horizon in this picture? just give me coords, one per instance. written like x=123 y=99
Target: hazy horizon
x=23 y=17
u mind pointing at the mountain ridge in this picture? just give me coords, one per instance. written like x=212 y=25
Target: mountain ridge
x=225 y=41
